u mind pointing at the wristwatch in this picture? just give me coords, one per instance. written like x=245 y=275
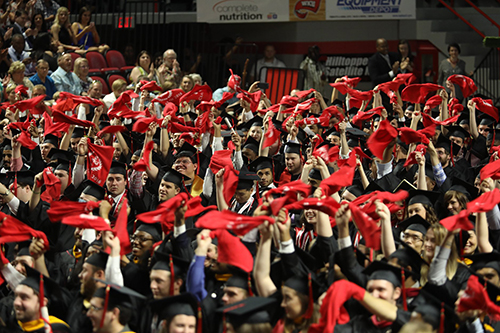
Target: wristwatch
x=5 y=194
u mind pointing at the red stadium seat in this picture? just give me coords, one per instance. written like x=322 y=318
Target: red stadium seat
x=282 y=81
x=105 y=88
x=116 y=59
x=113 y=77
x=98 y=64
x=74 y=56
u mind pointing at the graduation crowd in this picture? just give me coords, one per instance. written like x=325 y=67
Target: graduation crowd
x=191 y=211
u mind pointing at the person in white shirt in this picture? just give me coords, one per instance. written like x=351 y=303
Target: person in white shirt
x=269 y=60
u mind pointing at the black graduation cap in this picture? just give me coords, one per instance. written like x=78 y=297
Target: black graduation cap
x=388 y=182
x=103 y=124
x=423 y=197
x=50 y=287
x=461 y=185
x=489 y=137
x=94 y=190
x=78 y=132
x=315 y=174
x=51 y=138
x=405 y=185
x=24 y=249
x=154 y=229
x=4 y=179
x=240 y=279
x=252 y=144
x=429 y=172
x=446 y=144
x=300 y=283
x=355 y=137
x=407 y=256
x=246 y=179
x=98 y=259
x=162 y=260
x=379 y=270
x=429 y=303
x=255 y=121
x=372 y=187
x=485 y=260
x=261 y=162
x=415 y=223
x=175 y=177
x=63 y=157
x=118 y=168
x=253 y=310
x=293 y=148
x=169 y=307
x=486 y=120
x=187 y=150
x=118 y=295
x=355 y=190
x=457 y=131
x=463 y=119
x=25 y=177
x=331 y=131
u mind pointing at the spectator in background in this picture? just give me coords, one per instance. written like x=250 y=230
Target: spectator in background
x=269 y=60
x=187 y=83
x=16 y=72
x=48 y=8
x=405 y=56
x=38 y=25
x=315 y=71
x=383 y=65
x=62 y=33
x=81 y=69
x=170 y=70
x=4 y=14
x=450 y=66
x=41 y=77
x=117 y=88
x=45 y=47
x=16 y=50
x=143 y=66
x=5 y=60
x=86 y=32
x=196 y=78
x=63 y=78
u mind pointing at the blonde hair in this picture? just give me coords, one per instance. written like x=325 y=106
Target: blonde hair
x=118 y=84
x=290 y=325
x=77 y=65
x=16 y=66
x=59 y=11
x=40 y=86
x=451 y=264
x=10 y=88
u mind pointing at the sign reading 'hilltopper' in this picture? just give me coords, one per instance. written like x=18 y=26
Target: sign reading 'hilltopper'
x=249 y=11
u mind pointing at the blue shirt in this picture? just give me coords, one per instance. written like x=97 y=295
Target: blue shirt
x=217 y=95
x=66 y=81
x=49 y=85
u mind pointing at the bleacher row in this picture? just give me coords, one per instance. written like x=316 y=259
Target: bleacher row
x=107 y=68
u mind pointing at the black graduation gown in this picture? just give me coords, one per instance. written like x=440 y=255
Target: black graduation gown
x=77 y=316
x=363 y=323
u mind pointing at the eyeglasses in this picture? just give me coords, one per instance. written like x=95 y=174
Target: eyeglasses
x=140 y=239
x=94 y=308
x=413 y=238
x=185 y=162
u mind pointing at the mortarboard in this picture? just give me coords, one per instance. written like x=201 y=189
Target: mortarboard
x=187 y=150
x=407 y=256
x=24 y=249
x=423 y=197
x=118 y=168
x=485 y=260
x=457 y=131
x=78 y=132
x=253 y=310
x=379 y=270
x=445 y=143
x=372 y=187
x=332 y=131
x=51 y=138
x=25 y=177
x=240 y=279
x=63 y=157
x=153 y=229
x=98 y=259
x=4 y=179
x=246 y=179
x=293 y=148
x=255 y=121
x=315 y=174
x=51 y=288
x=169 y=307
x=305 y=284
x=94 y=190
x=261 y=162
x=115 y=295
x=175 y=177
x=355 y=190
x=252 y=144
x=490 y=135
x=177 y=267
x=436 y=307
x=486 y=120
x=415 y=223
x=459 y=185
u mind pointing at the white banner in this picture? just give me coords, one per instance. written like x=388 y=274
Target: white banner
x=370 y=9
x=242 y=11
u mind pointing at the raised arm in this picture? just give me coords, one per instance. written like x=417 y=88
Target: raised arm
x=387 y=238
x=219 y=187
x=262 y=269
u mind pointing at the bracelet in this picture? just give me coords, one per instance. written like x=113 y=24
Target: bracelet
x=37 y=192
x=82 y=155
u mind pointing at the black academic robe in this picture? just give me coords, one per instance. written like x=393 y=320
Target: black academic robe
x=365 y=324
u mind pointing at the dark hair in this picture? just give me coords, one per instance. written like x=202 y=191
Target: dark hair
x=83 y=10
x=140 y=55
x=404 y=41
x=44 y=23
x=455 y=45
x=20 y=12
x=125 y=314
x=42 y=41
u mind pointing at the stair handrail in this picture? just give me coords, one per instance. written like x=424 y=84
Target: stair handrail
x=480 y=11
x=482 y=61
x=462 y=18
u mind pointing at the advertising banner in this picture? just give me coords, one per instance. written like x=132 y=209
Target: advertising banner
x=243 y=11
x=352 y=65
x=307 y=10
x=370 y=9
